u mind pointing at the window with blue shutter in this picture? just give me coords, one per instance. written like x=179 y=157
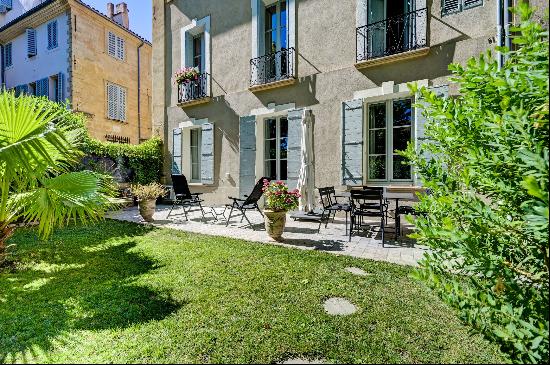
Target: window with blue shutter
x=468 y=4
x=247 y=149
x=8 y=60
x=31 y=42
x=52 y=34
x=207 y=154
x=454 y=6
x=294 y=148
x=5 y=5
x=352 y=142
x=43 y=87
x=60 y=88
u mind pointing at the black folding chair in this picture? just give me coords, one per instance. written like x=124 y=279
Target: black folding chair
x=331 y=206
x=366 y=203
x=406 y=210
x=184 y=197
x=250 y=203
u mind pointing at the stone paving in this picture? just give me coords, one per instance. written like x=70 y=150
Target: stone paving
x=298 y=234
x=339 y=307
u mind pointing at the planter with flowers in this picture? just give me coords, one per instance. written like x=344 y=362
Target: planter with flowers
x=278 y=201
x=147 y=196
x=186 y=74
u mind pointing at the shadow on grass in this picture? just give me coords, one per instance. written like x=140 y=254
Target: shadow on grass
x=84 y=278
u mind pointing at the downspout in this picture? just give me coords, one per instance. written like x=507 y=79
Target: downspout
x=507 y=22
x=139 y=89
x=3 y=72
x=499 y=32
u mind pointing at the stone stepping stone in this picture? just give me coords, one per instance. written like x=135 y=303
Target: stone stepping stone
x=357 y=271
x=302 y=361
x=339 y=307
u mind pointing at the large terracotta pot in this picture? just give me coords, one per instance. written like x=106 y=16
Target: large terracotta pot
x=147 y=209
x=275 y=224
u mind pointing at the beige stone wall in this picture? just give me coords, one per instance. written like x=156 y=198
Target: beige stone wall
x=92 y=68
x=326 y=73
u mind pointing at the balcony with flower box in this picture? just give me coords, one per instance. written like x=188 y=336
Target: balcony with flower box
x=193 y=87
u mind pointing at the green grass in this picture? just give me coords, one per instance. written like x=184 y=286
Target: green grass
x=121 y=292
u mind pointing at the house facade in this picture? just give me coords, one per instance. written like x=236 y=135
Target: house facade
x=268 y=66
x=69 y=51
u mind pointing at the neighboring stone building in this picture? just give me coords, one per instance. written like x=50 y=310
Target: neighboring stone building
x=66 y=50
x=268 y=64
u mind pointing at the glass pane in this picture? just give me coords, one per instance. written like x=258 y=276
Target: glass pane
x=270 y=129
x=271 y=169
x=284 y=127
x=194 y=137
x=284 y=173
x=401 y=136
x=402 y=112
x=377 y=116
x=270 y=149
x=271 y=17
x=377 y=142
x=195 y=172
x=377 y=167
x=283 y=147
x=401 y=170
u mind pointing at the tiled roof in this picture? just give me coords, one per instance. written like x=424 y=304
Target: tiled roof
x=48 y=2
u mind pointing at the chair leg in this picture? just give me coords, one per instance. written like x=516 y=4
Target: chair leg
x=173 y=205
x=185 y=212
x=351 y=228
x=346 y=223
x=229 y=218
x=244 y=216
x=328 y=219
x=333 y=216
x=259 y=210
x=202 y=212
x=397 y=225
x=382 y=227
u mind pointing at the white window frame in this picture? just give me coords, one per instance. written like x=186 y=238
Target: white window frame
x=278 y=145
x=388 y=101
x=197 y=28
x=258 y=25
x=120 y=102
x=118 y=51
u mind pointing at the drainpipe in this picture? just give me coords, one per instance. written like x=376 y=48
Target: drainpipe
x=507 y=23
x=3 y=71
x=499 y=32
x=139 y=90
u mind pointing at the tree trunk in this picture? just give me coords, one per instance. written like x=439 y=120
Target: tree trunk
x=5 y=234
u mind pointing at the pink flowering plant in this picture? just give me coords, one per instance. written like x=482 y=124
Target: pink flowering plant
x=186 y=74
x=278 y=198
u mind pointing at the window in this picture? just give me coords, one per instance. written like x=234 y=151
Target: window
x=389 y=126
x=5 y=6
x=276 y=148
x=115 y=46
x=455 y=6
x=32 y=88
x=116 y=102
x=8 y=60
x=275 y=27
x=31 y=42
x=197 y=52
x=52 y=34
x=195 y=146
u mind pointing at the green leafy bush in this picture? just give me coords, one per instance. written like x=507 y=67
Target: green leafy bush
x=487 y=219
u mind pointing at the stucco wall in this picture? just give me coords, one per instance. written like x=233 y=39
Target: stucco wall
x=46 y=63
x=326 y=73
x=93 y=67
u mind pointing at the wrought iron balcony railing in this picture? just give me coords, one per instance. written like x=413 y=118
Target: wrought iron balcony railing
x=397 y=34
x=190 y=90
x=272 y=67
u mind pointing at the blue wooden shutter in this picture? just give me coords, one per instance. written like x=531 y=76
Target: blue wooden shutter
x=247 y=148
x=44 y=87
x=294 y=160
x=352 y=142
x=6 y=5
x=52 y=34
x=420 y=121
x=207 y=153
x=176 y=152
x=8 y=60
x=31 y=42
x=60 y=92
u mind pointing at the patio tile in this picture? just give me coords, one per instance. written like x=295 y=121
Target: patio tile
x=298 y=234
x=339 y=307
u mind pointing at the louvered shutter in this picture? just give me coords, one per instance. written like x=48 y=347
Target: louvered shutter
x=207 y=153
x=472 y=3
x=8 y=55
x=450 y=6
x=121 y=103
x=352 y=142
x=120 y=48
x=52 y=35
x=111 y=44
x=176 y=152
x=60 y=92
x=294 y=160
x=111 y=101
x=7 y=4
x=247 y=154
x=31 y=42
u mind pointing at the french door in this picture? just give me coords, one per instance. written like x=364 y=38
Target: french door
x=276 y=148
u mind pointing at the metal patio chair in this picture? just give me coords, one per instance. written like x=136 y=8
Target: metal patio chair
x=374 y=205
x=331 y=206
x=366 y=203
x=250 y=203
x=184 y=197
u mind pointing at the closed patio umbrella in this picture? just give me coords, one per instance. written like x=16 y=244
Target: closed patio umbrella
x=306 y=180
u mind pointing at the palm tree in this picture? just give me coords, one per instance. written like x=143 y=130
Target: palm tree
x=37 y=148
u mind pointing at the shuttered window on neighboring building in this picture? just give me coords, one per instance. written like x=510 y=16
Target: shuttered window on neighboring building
x=472 y=3
x=6 y=5
x=116 y=102
x=455 y=6
x=52 y=34
x=31 y=42
x=115 y=46
x=8 y=60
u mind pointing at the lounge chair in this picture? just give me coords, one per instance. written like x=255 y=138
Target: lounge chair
x=184 y=197
x=250 y=203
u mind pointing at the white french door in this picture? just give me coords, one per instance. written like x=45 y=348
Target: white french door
x=276 y=148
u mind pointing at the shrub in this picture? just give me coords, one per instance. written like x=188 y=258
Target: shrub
x=487 y=219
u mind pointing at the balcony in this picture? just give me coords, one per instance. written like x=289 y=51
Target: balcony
x=273 y=70
x=392 y=39
x=194 y=92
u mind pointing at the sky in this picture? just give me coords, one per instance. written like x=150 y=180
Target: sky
x=141 y=14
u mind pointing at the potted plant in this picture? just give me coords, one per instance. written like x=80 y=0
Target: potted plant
x=278 y=201
x=147 y=196
x=186 y=74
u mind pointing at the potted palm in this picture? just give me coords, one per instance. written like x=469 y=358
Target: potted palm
x=278 y=201
x=147 y=197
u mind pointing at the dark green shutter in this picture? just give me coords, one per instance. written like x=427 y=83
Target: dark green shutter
x=352 y=142
x=247 y=152
x=294 y=160
x=207 y=154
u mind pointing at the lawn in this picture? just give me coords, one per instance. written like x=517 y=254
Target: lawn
x=121 y=292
